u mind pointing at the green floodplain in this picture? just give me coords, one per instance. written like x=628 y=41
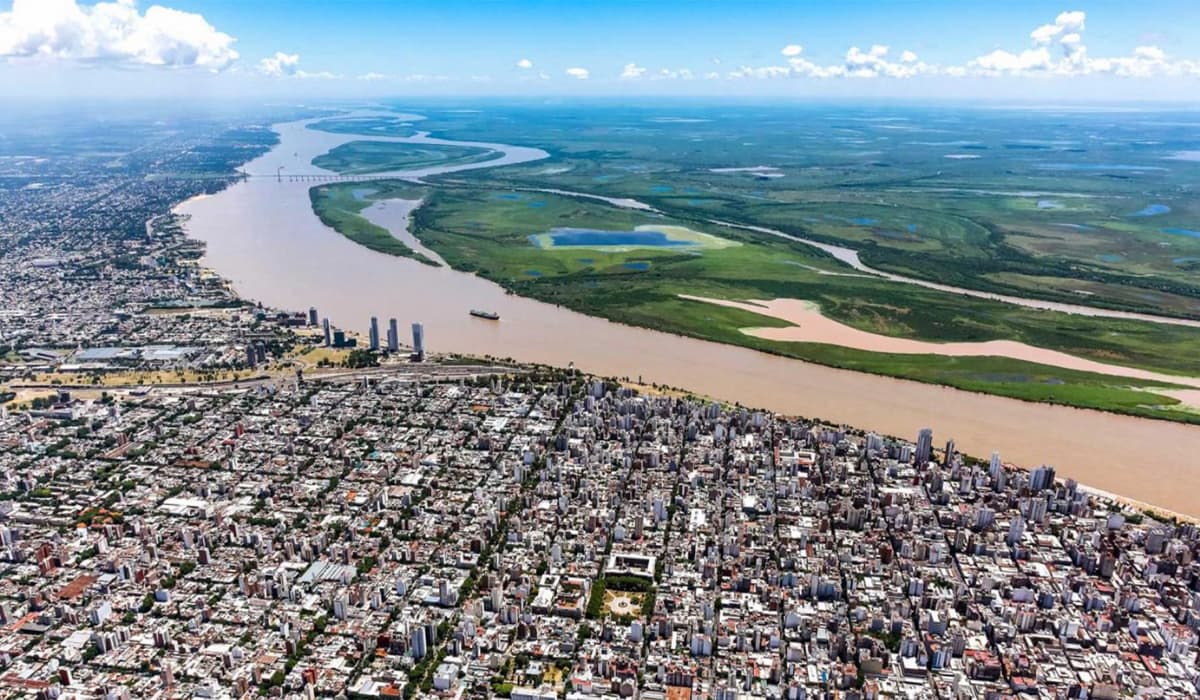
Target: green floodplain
x=369 y=157
x=1056 y=214
x=366 y=126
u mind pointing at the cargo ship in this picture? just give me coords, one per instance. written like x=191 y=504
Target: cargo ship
x=489 y=315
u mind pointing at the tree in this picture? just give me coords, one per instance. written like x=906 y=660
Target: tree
x=359 y=358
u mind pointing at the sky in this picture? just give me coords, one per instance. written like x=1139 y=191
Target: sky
x=1109 y=50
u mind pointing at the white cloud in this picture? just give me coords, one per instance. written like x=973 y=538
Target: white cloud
x=865 y=64
x=632 y=71
x=114 y=32
x=525 y=64
x=668 y=74
x=373 y=76
x=874 y=63
x=856 y=64
x=1045 y=33
x=280 y=65
x=1066 y=23
x=578 y=73
x=1001 y=61
x=285 y=65
x=1149 y=53
x=1058 y=50
x=761 y=72
x=1146 y=61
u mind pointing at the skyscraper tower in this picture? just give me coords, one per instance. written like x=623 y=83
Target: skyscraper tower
x=374 y=333
x=1016 y=530
x=418 y=344
x=1041 y=478
x=996 y=471
x=312 y=315
x=924 y=446
x=328 y=333
x=393 y=336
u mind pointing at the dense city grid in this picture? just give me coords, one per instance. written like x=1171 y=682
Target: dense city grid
x=539 y=535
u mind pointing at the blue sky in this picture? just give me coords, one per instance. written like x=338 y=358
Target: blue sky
x=932 y=48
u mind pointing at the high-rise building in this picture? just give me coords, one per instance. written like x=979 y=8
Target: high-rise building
x=393 y=336
x=418 y=344
x=1016 y=530
x=1041 y=478
x=328 y=333
x=924 y=446
x=374 y=336
x=996 y=471
x=312 y=315
x=251 y=358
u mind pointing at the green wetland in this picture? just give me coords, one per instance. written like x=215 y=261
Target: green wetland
x=367 y=157
x=1086 y=208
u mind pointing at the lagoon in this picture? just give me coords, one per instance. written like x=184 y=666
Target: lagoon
x=592 y=238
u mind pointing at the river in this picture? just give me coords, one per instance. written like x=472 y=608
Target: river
x=262 y=236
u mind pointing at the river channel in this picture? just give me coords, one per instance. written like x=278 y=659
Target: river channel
x=262 y=236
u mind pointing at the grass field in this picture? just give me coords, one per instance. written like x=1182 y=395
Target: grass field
x=313 y=356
